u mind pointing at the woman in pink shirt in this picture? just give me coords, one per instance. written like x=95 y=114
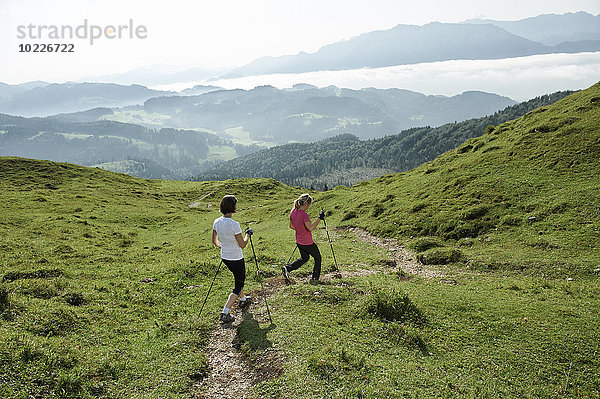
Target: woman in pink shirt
x=300 y=222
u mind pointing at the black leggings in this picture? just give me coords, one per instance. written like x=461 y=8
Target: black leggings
x=305 y=251
x=238 y=268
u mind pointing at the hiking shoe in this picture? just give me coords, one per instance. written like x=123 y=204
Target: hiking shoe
x=245 y=303
x=313 y=281
x=286 y=274
x=226 y=318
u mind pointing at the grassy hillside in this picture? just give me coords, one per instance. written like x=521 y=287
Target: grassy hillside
x=522 y=196
x=102 y=276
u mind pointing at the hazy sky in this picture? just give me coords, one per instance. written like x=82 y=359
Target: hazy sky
x=222 y=33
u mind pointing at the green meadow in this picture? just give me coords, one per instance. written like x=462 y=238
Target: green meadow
x=102 y=276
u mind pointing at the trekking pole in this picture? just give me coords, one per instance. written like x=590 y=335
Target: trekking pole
x=331 y=245
x=211 y=285
x=260 y=279
x=290 y=258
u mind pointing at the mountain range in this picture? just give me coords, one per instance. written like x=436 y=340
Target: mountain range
x=551 y=29
x=346 y=160
x=85 y=122
x=542 y=34
x=177 y=137
x=411 y=44
x=306 y=113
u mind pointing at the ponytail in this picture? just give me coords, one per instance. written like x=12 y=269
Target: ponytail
x=303 y=199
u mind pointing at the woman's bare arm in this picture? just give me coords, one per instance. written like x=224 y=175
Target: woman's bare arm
x=215 y=239
x=242 y=242
x=311 y=226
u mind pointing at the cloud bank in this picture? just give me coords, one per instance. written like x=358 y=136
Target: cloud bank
x=518 y=78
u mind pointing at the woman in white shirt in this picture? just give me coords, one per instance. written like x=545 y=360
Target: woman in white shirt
x=227 y=235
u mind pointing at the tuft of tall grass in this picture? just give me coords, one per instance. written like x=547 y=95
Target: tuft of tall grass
x=390 y=304
x=424 y=243
x=440 y=256
x=55 y=322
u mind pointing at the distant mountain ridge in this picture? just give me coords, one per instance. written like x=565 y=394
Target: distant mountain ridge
x=49 y=99
x=306 y=113
x=411 y=44
x=551 y=29
x=7 y=91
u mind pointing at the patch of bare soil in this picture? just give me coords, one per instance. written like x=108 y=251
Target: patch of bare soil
x=199 y=201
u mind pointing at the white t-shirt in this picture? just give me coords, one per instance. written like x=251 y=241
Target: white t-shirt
x=226 y=229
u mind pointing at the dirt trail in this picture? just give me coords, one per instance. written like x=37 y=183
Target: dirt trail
x=229 y=376
x=402 y=257
x=233 y=373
